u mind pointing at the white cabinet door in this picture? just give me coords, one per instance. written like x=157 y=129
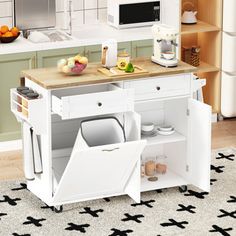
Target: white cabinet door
x=100 y=171
x=199 y=147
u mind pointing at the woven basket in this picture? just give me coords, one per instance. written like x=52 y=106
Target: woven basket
x=191 y=55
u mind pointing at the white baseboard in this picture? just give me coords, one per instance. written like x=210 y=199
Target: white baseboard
x=11 y=145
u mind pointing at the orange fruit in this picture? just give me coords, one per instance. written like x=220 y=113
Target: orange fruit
x=4 y=29
x=8 y=34
x=15 y=31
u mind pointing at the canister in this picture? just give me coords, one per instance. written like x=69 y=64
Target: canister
x=123 y=56
x=19 y=99
x=24 y=93
x=150 y=167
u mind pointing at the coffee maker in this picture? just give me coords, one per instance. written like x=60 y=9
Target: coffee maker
x=165 y=45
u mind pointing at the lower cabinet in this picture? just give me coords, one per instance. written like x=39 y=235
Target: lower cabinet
x=142 y=48
x=88 y=172
x=10 y=67
x=49 y=58
x=187 y=152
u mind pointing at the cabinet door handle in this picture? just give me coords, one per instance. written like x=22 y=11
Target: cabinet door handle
x=111 y=150
x=99 y=104
x=158 y=88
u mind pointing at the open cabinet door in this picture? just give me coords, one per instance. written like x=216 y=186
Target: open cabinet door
x=199 y=144
x=100 y=171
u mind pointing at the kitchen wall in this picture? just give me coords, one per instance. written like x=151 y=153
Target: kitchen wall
x=85 y=12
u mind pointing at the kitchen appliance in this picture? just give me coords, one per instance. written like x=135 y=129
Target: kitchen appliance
x=109 y=53
x=34 y=14
x=165 y=45
x=228 y=81
x=189 y=17
x=133 y=13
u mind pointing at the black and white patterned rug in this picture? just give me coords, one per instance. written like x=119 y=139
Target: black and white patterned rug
x=164 y=212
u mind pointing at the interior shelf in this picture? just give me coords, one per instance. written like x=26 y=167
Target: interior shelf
x=168 y=180
x=162 y=139
x=200 y=27
x=205 y=67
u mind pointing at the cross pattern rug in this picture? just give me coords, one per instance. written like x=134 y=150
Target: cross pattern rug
x=162 y=212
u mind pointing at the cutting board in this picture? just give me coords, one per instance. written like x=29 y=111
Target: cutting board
x=118 y=73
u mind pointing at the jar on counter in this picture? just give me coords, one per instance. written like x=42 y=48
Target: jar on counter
x=123 y=56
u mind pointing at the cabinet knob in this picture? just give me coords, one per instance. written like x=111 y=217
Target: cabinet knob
x=158 y=88
x=99 y=104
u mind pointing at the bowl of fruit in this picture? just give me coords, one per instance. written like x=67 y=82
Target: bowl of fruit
x=73 y=65
x=8 y=35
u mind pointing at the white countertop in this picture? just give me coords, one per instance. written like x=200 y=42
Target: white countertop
x=84 y=36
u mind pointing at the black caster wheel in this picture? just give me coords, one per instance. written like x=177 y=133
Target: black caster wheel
x=58 y=209
x=183 y=188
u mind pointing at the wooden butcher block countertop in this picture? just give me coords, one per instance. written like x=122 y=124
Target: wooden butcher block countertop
x=50 y=78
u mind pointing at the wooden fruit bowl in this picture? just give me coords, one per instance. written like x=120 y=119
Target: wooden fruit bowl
x=9 y=39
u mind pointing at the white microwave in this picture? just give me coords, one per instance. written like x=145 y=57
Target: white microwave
x=133 y=13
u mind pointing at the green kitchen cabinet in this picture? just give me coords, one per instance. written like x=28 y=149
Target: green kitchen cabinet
x=10 y=68
x=49 y=58
x=125 y=46
x=142 y=48
x=93 y=53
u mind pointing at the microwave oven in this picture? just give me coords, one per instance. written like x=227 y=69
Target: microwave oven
x=133 y=13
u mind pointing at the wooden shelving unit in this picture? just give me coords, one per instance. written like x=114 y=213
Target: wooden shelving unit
x=199 y=27
x=207 y=34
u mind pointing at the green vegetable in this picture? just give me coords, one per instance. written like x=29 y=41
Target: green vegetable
x=129 y=68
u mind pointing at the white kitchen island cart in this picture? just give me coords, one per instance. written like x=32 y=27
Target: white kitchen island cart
x=73 y=169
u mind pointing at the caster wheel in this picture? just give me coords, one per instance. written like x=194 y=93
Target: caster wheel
x=183 y=188
x=58 y=209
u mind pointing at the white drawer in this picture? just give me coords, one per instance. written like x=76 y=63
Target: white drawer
x=160 y=87
x=228 y=53
x=92 y=100
x=228 y=95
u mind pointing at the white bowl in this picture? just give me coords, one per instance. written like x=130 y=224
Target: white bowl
x=147 y=127
x=168 y=55
x=165 y=128
x=166 y=132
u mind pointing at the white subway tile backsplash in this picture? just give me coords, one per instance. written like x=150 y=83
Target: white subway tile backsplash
x=102 y=3
x=78 y=4
x=5 y=9
x=91 y=16
x=85 y=12
x=6 y=21
x=59 y=5
x=90 y=4
x=78 y=18
x=102 y=15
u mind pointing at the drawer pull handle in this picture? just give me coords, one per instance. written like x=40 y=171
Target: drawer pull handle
x=110 y=150
x=158 y=88
x=99 y=104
